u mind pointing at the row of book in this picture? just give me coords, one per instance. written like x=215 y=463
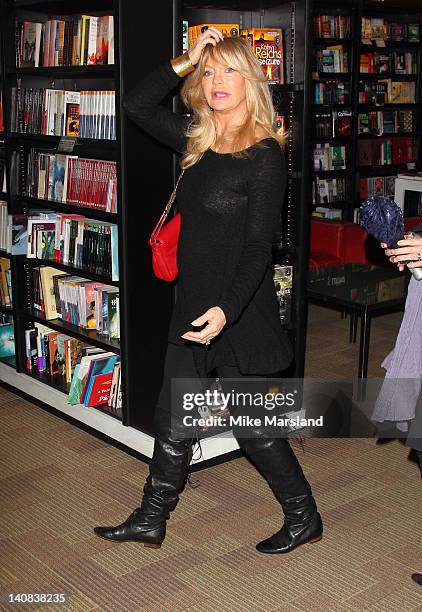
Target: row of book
x=331 y=26
x=79 y=301
x=376 y=186
x=385 y=151
x=78 y=40
x=329 y=157
x=334 y=58
x=5 y=282
x=328 y=190
x=323 y=212
x=334 y=123
x=7 y=336
x=57 y=112
x=387 y=91
x=71 y=179
x=267 y=44
x=73 y=240
x=397 y=62
x=93 y=374
x=331 y=92
x=379 y=30
x=385 y=122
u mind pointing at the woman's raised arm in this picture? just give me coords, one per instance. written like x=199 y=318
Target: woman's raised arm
x=143 y=105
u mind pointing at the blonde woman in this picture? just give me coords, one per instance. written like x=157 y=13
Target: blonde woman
x=226 y=315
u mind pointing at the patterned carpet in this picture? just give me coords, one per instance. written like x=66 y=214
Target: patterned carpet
x=57 y=482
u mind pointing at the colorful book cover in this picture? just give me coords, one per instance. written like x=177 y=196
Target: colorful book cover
x=100 y=390
x=104 y=365
x=7 y=340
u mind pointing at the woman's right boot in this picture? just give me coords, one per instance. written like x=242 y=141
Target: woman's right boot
x=166 y=479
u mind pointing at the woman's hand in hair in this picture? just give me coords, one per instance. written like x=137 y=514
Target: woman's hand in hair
x=211 y=35
x=215 y=319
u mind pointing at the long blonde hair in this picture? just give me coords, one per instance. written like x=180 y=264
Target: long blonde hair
x=201 y=133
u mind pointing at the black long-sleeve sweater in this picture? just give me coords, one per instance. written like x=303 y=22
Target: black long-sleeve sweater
x=230 y=208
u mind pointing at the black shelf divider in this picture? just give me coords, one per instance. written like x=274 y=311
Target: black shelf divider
x=89 y=212
x=67 y=72
x=101 y=278
x=87 y=335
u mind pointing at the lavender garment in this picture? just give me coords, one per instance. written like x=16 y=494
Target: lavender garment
x=401 y=388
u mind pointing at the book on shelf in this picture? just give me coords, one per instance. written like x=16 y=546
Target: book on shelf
x=333 y=123
x=326 y=191
x=385 y=122
x=376 y=186
x=185 y=35
x=7 y=337
x=334 y=58
x=329 y=157
x=77 y=40
x=397 y=62
x=89 y=369
x=331 y=26
x=283 y=283
x=382 y=152
x=331 y=92
x=387 y=91
x=56 y=112
x=76 y=300
x=91 y=183
x=268 y=46
x=74 y=240
x=322 y=212
x=379 y=31
x=5 y=282
x=228 y=29
x=280 y=123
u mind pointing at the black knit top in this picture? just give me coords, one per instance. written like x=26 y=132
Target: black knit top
x=230 y=209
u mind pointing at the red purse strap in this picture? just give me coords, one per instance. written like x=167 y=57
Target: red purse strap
x=166 y=210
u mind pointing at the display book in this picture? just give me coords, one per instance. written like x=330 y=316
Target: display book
x=75 y=313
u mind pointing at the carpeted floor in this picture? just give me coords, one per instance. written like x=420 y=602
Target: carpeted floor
x=57 y=482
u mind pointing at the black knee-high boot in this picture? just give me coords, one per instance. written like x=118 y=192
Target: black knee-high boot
x=166 y=479
x=277 y=462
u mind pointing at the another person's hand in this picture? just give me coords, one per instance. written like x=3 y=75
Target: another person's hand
x=216 y=320
x=211 y=35
x=410 y=250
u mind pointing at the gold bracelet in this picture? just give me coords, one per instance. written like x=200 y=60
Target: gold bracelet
x=182 y=64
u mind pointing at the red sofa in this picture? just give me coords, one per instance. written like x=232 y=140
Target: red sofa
x=335 y=243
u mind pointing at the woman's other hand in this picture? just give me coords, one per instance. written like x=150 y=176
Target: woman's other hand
x=211 y=35
x=410 y=250
x=216 y=320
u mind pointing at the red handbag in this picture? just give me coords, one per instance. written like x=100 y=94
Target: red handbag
x=163 y=242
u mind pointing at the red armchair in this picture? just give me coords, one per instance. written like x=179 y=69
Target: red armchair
x=334 y=243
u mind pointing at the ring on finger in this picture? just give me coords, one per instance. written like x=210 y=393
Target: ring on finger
x=419 y=256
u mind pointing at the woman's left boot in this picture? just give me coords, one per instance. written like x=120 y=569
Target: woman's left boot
x=277 y=462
